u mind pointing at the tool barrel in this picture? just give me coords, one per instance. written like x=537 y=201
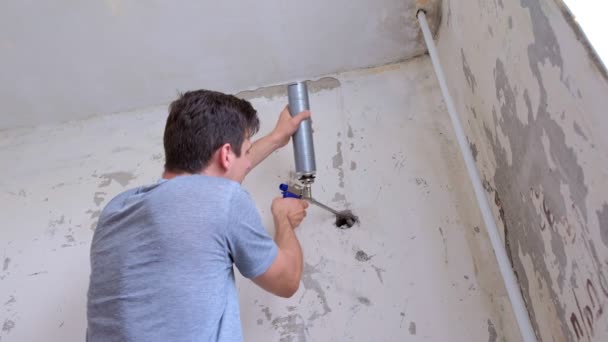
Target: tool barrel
x=303 y=148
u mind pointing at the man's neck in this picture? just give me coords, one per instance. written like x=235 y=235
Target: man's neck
x=209 y=171
x=171 y=175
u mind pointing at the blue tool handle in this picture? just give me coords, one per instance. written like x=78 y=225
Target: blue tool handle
x=286 y=193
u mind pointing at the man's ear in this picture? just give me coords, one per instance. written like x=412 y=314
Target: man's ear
x=225 y=155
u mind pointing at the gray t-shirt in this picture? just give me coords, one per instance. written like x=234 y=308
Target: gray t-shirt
x=161 y=261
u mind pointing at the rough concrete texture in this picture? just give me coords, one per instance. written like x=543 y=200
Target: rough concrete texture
x=417 y=266
x=66 y=60
x=534 y=99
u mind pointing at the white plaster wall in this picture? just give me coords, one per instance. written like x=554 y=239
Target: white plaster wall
x=64 y=60
x=533 y=97
x=384 y=148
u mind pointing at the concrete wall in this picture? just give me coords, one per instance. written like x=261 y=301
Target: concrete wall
x=534 y=96
x=65 y=60
x=418 y=267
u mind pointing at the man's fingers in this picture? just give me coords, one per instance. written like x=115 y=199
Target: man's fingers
x=301 y=116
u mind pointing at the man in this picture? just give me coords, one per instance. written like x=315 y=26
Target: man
x=162 y=255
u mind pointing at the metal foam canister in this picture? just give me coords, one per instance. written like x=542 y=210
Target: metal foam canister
x=303 y=148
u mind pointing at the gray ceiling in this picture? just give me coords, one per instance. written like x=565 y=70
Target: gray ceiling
x=62 y=60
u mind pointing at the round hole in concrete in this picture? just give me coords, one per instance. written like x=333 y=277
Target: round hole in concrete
x=346 y=219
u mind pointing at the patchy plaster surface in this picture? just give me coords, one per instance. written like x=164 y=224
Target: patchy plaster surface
x=414 y=267
x=271 y=92
x=541 y=149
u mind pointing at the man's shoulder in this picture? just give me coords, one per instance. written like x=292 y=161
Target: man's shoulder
x=241 y=197
x=120 y=197
x=195 y=191
x=205 y=194
x=201 y=181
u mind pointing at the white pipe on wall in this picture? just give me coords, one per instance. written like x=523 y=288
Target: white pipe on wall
x=506 y=269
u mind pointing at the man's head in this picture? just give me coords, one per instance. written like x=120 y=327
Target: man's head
x=209 y=131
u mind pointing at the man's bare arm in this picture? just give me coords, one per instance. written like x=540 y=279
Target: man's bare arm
x=283 y=277
x=286 y=126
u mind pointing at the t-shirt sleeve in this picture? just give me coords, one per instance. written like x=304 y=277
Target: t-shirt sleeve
x=250 y=246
